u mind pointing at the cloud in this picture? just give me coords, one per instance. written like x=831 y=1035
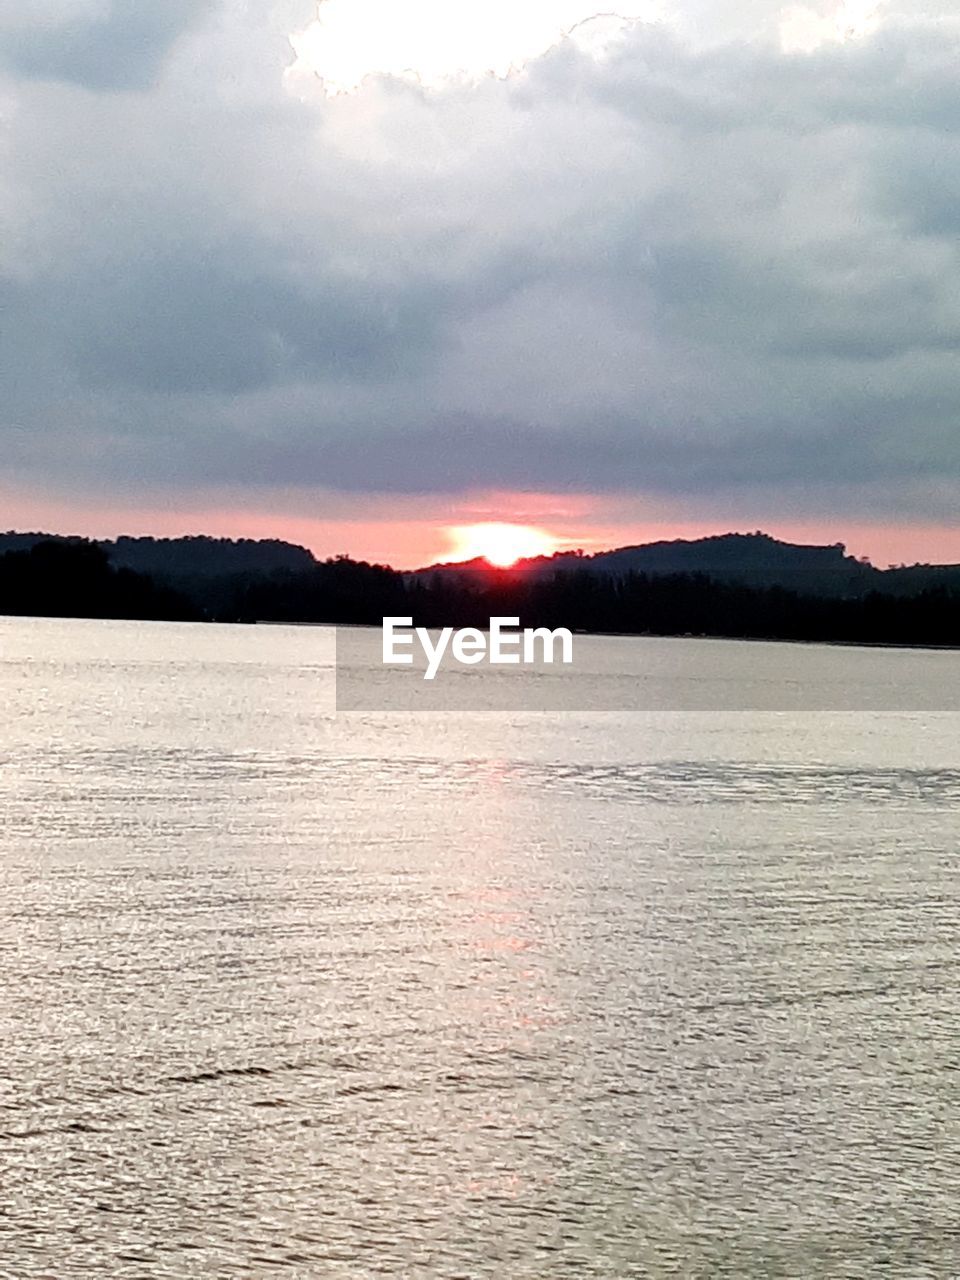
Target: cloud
x=116 y=44
x=671 y=267
x=434 y=41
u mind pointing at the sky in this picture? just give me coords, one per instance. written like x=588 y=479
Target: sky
x=360 y=275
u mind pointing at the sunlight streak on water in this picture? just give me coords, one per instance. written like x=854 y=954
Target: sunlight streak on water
x=585 y=998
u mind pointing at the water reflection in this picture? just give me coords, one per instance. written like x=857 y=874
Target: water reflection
x=284 y=1000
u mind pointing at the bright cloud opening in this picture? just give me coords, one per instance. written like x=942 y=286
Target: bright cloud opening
x=435 y=41
x=804 y=28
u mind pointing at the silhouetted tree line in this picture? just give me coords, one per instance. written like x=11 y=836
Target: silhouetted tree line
x=77 y=579
x=200 y=556
x=195 y=556
x=634 y=603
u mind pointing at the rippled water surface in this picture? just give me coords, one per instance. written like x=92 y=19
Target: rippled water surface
x=500 y=995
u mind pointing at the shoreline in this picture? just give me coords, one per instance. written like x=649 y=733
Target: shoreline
x=917 y=646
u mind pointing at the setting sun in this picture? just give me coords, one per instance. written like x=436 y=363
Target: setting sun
x=501 y=545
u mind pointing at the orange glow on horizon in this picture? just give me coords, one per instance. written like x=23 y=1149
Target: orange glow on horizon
x=413 y=531
x=501 y=545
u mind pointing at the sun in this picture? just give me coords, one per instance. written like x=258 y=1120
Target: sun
x=501 y=545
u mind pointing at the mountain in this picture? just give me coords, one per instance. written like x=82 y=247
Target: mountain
x=190 y=557
x=754 y=559
x=211 y=575
x=749 y=559
x=743 y=585
x=911 y=580
x=72 y=578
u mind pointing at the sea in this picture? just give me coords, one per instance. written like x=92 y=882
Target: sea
x=295 y=991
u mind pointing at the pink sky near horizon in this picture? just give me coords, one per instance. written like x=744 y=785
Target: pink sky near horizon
x=411 y=532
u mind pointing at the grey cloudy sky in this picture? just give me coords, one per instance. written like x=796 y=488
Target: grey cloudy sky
x=712 y=258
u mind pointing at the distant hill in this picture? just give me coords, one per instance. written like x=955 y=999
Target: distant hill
x=911 y=580
x=203 y=557
x=72 y=578
x=189 y=557
x=750 y=559
x=745 y=585
x=213 y=575
x=754 y=559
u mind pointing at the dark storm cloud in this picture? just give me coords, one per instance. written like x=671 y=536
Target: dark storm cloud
x=210 y=324
x=673 y=270
x=457 y=455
